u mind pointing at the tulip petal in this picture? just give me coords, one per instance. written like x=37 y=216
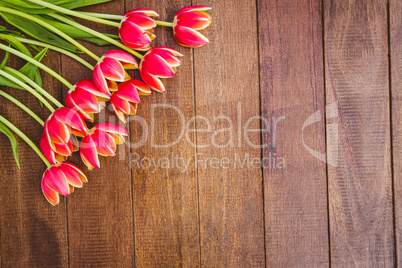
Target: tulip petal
x=194 y=20
x=90 y=86
x=100 y=80
x=148 y=12
x=141 y=87
x=169 y=49
x=193 y=8
x=142 y=20
x=57 y=131
x=64 y=149
x=112 y=69
x=105 y=145
x=128 y=91
x=133 y=34
x=156 y=65
x=71 y=118
x=51 y=196
x=122 y=57
x=56 y=180
x=88 y=153
x=120 y=104
x=112 y=128
x=152 y=81
x=46 y=149
x=188 y=37
x=73 y=177
x=75 y=169
x=120 y=115
x=133 y=108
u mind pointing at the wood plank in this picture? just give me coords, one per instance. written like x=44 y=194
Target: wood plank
x=100 y=214
x=395 y=13
x=227 y=95
x=33 y=233
x=360 y=186
x=165 y=198
x=292 y=90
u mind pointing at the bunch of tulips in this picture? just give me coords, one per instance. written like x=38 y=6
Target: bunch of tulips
x=65 y=130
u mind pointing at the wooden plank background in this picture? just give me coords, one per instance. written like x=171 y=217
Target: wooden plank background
x=322 y=79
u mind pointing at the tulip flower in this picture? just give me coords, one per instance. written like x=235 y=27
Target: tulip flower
x=57 y=153
x=62 y=123
x=186 y=24
x=125 y=100
x=61 y=179
x=101 y=139
x=86 y=98
x=159 y=62
x=111 y=68
x=136 y=29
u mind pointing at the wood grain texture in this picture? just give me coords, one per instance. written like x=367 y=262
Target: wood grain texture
x=227 y=95
x=360 y=185
x=292 y=90
x=33 y=233
x=165 y=198
x=100 y=228
x=395 y=13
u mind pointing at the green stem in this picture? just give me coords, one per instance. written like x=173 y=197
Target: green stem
x=35 y=62
x=63 y=51
x=28 y=88
x=164 y=23
x=74 y=13
x=118 y=17
x=25 y=138
x=101 y=15
x=97 y=34
x=22 y=106
x=34 y=85
x=51 y=28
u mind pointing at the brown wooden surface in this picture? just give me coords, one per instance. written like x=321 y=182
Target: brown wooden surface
x=360 y=186
x=291 y=78
x=395 y=27
x=317 y=71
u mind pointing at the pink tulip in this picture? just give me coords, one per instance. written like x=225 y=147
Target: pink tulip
x=186 y=24
x=61 y=179
x=136 y=29
x=57 y=153
x=59 y=141
x=159 y=62
x=62 y=123
x=111 y=68
x=86 y=98
x=125 y=100
x=101 y=139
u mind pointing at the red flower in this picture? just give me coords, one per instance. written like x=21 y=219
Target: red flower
x=159 y=62
x=124 y=101
x=102 y=139
x=186 y=24
x=86 y=98
x=61 y=179
x=111 y=68
x=136 y=29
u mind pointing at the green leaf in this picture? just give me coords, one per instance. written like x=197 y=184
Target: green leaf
x=29 y=69
x=92 y=2
x=13 y=141
x=37 y=31
x=15 y=43
x=74 y=32
x=32 y=8
x=4 y=61
x=32 y=71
